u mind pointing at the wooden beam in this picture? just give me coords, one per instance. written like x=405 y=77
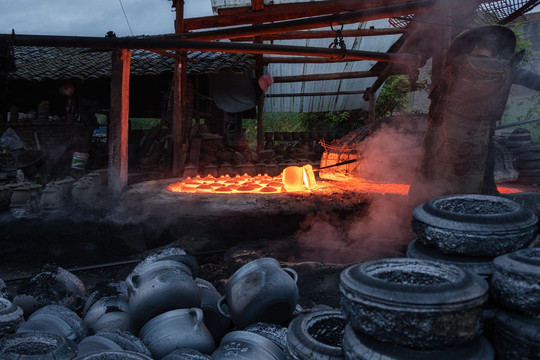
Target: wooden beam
x=257 y=5
x=216 y=46
x=119 y=124
x=322 y=34
x=179 y=83
x=400 y=9
x=355 y=92
x=280 y=12
x=320 y=77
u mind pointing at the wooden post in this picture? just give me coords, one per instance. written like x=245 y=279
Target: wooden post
x=178 y=119
x=371 y=98
x=119 y=124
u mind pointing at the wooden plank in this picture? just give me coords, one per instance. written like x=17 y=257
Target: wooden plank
x=320 y=77
x=280 y=12
x=119 y=124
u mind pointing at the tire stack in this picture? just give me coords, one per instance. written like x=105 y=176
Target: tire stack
x=412 y=309
x=470 y=230
x=526 y=154
x=515 y=287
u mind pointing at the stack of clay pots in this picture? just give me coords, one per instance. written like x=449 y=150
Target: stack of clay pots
x=515 y=287
x=470 y=230
x=413 y=309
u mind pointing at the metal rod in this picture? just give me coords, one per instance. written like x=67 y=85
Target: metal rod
x=319 y=77
x=516 y=124
x=317 y=94
x=186 y=45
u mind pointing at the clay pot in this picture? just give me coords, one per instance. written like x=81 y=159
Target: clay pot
x=177 y=329
x=159 y=287
x=243 y=345
x=108 y=309
x=110 y=339
x=52 y=198
x=217 y=324
x=260 y=291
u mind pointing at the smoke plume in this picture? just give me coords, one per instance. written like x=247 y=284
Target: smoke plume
x=389 y=155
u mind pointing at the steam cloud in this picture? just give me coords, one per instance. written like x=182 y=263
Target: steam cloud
x=390 y=155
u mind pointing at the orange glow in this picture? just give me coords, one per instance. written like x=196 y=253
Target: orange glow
x=293 y=179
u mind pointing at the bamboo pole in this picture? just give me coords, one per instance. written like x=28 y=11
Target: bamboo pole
x=320 y=77
x=352 y=92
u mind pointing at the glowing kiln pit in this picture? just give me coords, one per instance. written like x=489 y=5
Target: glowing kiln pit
x=293 y=179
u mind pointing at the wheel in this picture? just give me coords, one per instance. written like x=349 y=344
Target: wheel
x=515 y=336
x=37 y=346
x=316 y=336
x=474 y=225
x=358 y=346
x=11 y=317
x=515 y=281
x=414 y=303
x=482 y=266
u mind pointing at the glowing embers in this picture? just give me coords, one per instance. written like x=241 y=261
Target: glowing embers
x=229 y=185
x=293 y=179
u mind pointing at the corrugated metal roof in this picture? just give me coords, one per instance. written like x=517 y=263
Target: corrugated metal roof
x=327 y=103
x=320 y=103
x=42 y=63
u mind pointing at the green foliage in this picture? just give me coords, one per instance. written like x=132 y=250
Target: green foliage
x=522 y=44
x=394 y=96
x=300 y=122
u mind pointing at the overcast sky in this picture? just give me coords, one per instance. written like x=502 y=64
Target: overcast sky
x=94 y=17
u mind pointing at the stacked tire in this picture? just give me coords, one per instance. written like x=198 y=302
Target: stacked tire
x=469 y=231
x=526 y=154
x=515 y=287
x=413 y=309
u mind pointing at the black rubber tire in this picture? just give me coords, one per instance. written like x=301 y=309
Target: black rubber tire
x=474 y=225
x=515 y=336
x=420 y=304
x=482 y=266
x=11 y=317
x=56 y=319
x=114 y=355
x=357 y=346
x=37 y=346
x=515 y=281
x=3 y=290
x=186 y=354
x=531 y=149
x=275 y=333
x=113 y=340
x=527 y=174
x=303 y=345
x=527 y=165
x=53 y=285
